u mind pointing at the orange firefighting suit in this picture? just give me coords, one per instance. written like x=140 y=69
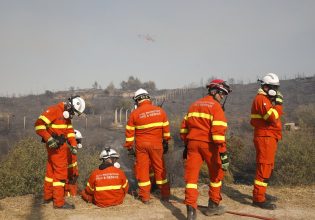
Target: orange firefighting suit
x=265 y=117
x=71 y=187
x=107 y=186
x=203 y=129
x=51 y=122
x=148 y=126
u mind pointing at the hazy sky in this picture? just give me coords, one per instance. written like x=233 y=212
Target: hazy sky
x=56 y=44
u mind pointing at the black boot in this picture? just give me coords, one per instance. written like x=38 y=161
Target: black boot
x=191 y=213
x=214 y=209
x=265 y=205
x=65 y=206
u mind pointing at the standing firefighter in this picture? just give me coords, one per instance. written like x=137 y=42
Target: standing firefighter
x=203 y=131
x=148 y=127
x=265 y=117
x=71 y=187
x=55 y=128
x=107 y=185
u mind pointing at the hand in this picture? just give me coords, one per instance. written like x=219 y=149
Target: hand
x=165 y=146
x=52 y=143
x=185 y=153
x=131 y=152
x=225 y=161
x=73 y=150
x=279 y=98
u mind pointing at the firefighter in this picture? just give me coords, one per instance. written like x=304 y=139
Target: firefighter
x=148 y=128
x=71 y=187
x=203 y=132
x=107 y=185
x=55 y=128
x=266 y=115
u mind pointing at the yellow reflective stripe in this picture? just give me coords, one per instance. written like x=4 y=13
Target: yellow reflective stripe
x=73 y=164
x=130 y=139
x=183 y=131
x=278 y=100
x=165 y=123
x=191 y=186
x=103 y=188
x=200 y=115
x=130 y=127
x=255 y=116
x=46 y=120
x=266 y=116
x=216 y=184
x=186 y=117
x=126 y=183
x=144 y=183
x=160 y=182
x=219 y=123
x=70 y=126
x=259 y=183
x=218 y=137
x=58 y=184
x=275 y=112
x=88 y=184
x=40 y=127
x=167 y=134
x=151 y=125
x=59 y=126
x=71 y=135
x=47 y=179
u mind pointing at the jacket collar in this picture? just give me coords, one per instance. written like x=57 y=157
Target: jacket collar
x=145 y=102
x=261 y=92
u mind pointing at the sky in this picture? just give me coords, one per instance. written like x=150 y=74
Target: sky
x=57 y=44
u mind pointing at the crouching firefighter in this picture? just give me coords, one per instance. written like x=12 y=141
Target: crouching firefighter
x=55 y=128
x=203 y=131
x=73 y=168
x=107 y=185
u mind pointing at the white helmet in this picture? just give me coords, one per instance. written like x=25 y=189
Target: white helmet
x=78 y=104
x=107 y=153
x=78 y=134
x=270 y=79
x=141 y=94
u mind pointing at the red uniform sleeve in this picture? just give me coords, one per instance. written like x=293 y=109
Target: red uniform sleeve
x=218 y=125
x=125 y=184
x=184 y=129
x=166 y=126
x=71 y=136
x=268 y=112
x=130 y=131
x=43 y=121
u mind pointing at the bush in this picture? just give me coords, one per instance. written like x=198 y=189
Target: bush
x=22 y=171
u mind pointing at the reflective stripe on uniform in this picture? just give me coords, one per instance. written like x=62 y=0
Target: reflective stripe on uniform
x=167 y=134
x=259 y=183
x=161 y=182
x=200 y=115
x=130 y=139
x=219 y=123
x=71 y=135
x=165 y=123
x=47 y=179
x=103 y=188
x=212 y=184
x=218 y=137
x=58 y=184
x=183 y=131
x=144 y=183
x=266 y=116
x=40 y=127
x=88 y=185
x=126 y=183
x=191 y=186
x=130 y=127
x=61 y=126
x=255 y=116
x=73 y=164
x=46 y=120
x=151 y=125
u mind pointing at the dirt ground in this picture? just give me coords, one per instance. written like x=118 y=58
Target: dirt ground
x=293 y=203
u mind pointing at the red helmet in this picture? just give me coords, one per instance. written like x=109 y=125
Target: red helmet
x=219 y=85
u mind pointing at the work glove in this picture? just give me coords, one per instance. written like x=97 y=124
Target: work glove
x=185 y=153
x=131 y=152
x=279 y=98
x=225 y=161
x=165 y=146
x=52 y=143
x=73 y=150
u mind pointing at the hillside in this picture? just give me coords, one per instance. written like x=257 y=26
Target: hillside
x=293 y=203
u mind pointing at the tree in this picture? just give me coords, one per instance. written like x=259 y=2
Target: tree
x=95 y=85
x=110 y=89
x=132 y=84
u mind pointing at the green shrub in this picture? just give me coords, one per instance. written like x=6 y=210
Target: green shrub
x=23 y=169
